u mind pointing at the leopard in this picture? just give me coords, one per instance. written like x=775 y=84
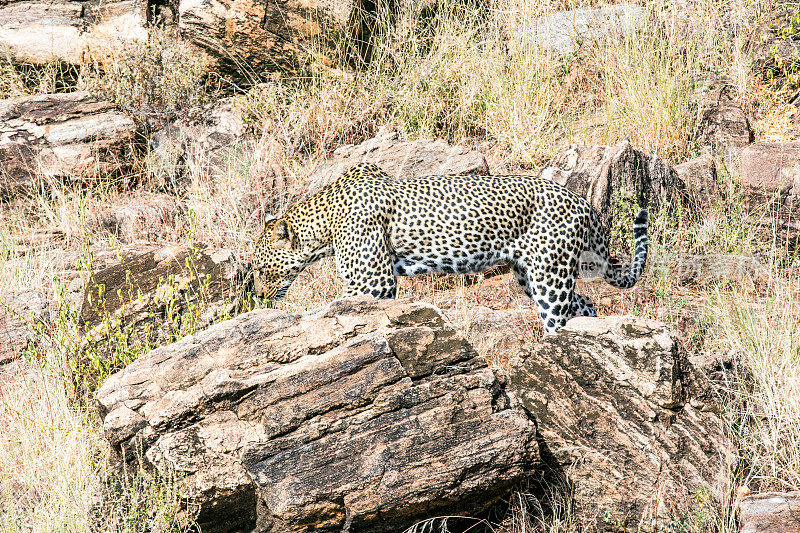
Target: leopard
x=378 y=228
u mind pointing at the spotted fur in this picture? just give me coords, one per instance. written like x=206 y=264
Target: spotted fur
x=378 y=228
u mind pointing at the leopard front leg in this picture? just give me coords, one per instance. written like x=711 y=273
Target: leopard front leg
x=364 y=261
x=582 y=305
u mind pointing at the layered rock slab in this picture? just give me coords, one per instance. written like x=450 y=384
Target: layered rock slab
x=400 y=159
x=248 y=38
x=71 y=136
x=151 y=287
x=46 y=31
x=365 y=415
x=628 y=424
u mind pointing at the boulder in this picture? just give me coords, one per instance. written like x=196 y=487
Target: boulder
x=563 y=32
x=609 y=176
x=155 y=289
x=248 y=38
x=365 y=415
x=18 y=310
x=400 y=159
x=46 y=31
x=149 y=217
x=699 y=177
x=40 y=32
x=624 y=420
x=769 y=512
x=770 y=174
x=724 y=127
x=202 y=144
x=71 y=136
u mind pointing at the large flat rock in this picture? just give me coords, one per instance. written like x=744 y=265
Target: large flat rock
x=363 y=416
x=400 y=159
x=39 y=32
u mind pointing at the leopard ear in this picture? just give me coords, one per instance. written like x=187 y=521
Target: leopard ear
x=283 y=235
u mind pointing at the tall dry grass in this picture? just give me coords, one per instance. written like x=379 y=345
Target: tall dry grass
x=49 y=450
x=763 y=387
x=456 y=75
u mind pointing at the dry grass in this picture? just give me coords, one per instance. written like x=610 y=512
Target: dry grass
x=48 y=453
x=763 y=390
x=461 y=78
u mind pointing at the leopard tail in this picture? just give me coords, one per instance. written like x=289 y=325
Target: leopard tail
x=610 y=267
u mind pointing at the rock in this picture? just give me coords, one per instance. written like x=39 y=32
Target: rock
x=154 y=288
x=363 y=416
x=150 y=217
x=44 y=31
x=699 y=177
x=70 y=136
x=564 y=31
x=40 y=32
x=204 y=144
x=724 y=126
x=498 y=334
x=604 y=175
x=400 y=159
x=623 y=419
x=17 y=311
x=770 y=512
x=248 y=38
x=770 y=173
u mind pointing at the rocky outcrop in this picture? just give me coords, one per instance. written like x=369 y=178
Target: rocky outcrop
x=42 y=32
x=699 y=177
x=400 y=159
x=18 y=310
x=202 y=144
x=724 y=126
x=363 y=416
x=247 y=38
x=71 y=136
x=45 y=31
x=770 y=174
x=610 y=176
x=370 y=415
x=564 y=31
x=622 y=419
x=149 y=217
x=770 y=512
x=153 y=288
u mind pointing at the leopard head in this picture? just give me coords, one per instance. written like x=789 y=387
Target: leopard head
x=277 y=260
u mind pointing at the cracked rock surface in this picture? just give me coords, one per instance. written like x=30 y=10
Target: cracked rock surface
x=624 y=420
x=363 y=416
